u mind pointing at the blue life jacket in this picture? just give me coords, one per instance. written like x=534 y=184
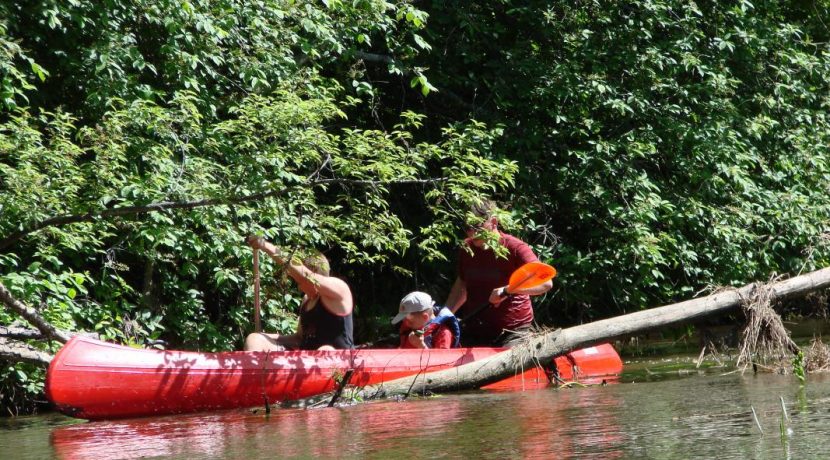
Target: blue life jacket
x=444 y=317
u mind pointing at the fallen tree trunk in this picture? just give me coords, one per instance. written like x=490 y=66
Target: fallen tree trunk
x=23 y=333
x=13 y=351
x=20 y=352
x=20 y=333
x=544 y=347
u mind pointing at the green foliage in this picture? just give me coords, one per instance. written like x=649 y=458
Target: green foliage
x=648 y=149
x=665 y=145
x=217 y=49
x=240 y=113
x=321 y=188
x=798 y=367
x=19 y=386
x=14 y=81
x=478 y=172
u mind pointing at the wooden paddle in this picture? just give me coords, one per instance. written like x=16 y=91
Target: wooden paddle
x=527 y=276
x=257 y=322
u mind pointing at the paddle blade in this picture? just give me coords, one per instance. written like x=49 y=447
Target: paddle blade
x=530 y=275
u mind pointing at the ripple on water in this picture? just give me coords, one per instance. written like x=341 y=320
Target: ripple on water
x=703 y=416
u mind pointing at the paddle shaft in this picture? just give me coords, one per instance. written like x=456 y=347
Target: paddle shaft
x=478 y=310
x=257 y=321
x=511 y=290
x=509 y=294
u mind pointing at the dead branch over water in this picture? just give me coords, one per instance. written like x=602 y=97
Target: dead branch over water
x=544 y=347
x=32 y=316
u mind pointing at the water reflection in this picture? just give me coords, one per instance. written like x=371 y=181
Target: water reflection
x=699 y=416
x=202 y=435
x=529 y=424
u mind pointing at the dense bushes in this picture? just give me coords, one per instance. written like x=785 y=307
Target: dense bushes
x=647 y=148
x=669 y=145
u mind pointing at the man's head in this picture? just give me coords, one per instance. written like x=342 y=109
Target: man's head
x=481 y=218
x=317 y=262
x=416 y=309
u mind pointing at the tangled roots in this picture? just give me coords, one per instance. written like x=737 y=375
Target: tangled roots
x=817 y=356
x=764 y=336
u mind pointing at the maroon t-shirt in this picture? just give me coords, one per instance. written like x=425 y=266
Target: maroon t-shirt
x=482 y=272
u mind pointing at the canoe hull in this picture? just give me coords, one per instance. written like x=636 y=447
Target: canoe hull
x=97 y=380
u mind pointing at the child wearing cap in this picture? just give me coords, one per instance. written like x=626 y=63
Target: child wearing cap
x=423 y=325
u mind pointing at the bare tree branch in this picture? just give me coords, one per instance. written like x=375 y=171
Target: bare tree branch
x=188 y=205
x=19 y=333
x=381 y=182
x=32 y=316
x=129 y=210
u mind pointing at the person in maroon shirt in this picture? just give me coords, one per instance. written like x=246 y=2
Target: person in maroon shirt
x=483 y=275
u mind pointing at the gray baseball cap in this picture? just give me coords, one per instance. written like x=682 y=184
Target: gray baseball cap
x=411 y=303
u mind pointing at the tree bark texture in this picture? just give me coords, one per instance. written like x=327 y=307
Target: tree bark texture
x=20 y=352
x=544 y=347
x=20 y=333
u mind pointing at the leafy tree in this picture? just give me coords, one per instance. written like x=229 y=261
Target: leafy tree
x=137 y=49
x=668 y=146
x=163 y=133
x=648 y=148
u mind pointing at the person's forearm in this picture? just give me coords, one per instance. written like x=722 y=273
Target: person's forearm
x=535 y=290
x=280 y=257
x=273 y=251
x=335 y=290
x=457 y=296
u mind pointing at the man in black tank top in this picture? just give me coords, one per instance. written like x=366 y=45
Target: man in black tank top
x=325 y=312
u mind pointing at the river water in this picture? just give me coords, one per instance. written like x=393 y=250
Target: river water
x=659 y=409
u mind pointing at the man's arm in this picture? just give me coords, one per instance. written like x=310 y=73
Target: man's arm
x=536 y=290
x=457 y=296
x=337 y=295
x=522 y=254
x=335 y=292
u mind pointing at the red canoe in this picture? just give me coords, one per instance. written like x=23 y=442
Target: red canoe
x=97 y=380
